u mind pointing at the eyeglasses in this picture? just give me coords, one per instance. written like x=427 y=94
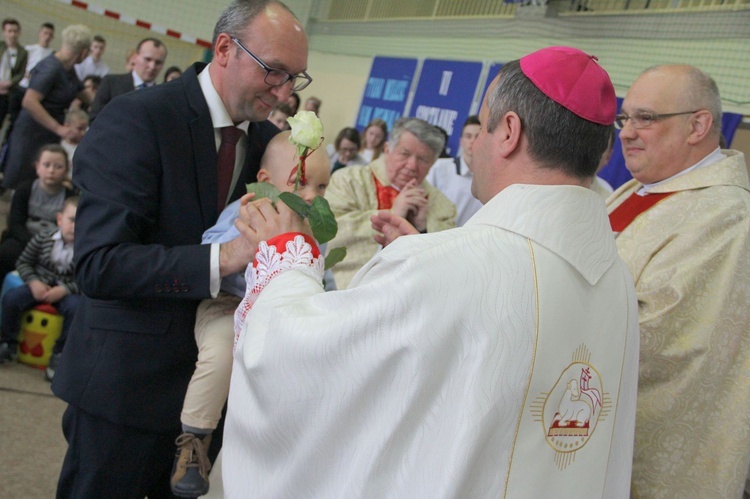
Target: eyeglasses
x=645 y=120
x=278 y=77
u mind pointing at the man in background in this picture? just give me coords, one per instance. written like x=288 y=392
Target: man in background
x=683 y=229
x=395 y=182
x=453 y=176
x=93 y=64
x=149 y=61
x=13 y=59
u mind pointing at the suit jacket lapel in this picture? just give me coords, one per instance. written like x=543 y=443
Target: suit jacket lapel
x=204 y=147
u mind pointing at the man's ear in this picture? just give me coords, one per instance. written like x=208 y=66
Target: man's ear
x=508 y=133
x=222 y=49
x=264 y=175
x=700 y=123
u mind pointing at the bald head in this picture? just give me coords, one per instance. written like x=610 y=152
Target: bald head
x=280 y=159
x=692 y=88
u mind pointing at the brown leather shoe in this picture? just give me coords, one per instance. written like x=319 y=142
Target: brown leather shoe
x=191 y=466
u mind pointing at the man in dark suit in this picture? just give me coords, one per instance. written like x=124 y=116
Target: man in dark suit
x=149 y=61
x=13 y=59
x=147 y=171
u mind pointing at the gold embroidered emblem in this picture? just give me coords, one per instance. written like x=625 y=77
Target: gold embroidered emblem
x=571 y=410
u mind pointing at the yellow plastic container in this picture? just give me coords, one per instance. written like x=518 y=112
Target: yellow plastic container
x=40 y=328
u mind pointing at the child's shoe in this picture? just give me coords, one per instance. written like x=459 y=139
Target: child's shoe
x=191 y=465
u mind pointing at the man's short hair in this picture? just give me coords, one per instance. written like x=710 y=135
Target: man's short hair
x=557 y=138
x=100 y=39
x=77 y=37
x=48 y=26
x=238 y=14
x=157 y=43
x=471 y=120
x=10 y=20
x=428 y=134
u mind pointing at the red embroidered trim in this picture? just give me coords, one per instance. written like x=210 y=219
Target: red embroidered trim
x=281 y=240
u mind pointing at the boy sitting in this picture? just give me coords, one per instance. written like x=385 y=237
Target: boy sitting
x=47 y=269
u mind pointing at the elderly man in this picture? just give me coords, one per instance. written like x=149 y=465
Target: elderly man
x=395 y=182
x=149 y=61
x=496 y=359
x=684 y=231
x=453 y=176
x=154 y=171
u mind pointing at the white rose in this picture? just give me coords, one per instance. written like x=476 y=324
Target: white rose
x=307 y=129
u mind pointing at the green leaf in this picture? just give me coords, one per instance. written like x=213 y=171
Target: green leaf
x=334 y=256
x=322 y=221
x=263 y=190
x=295 y=203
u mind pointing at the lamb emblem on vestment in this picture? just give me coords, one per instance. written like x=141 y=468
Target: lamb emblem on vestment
x=571 y=410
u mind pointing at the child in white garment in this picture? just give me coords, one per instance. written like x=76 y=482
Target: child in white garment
x=214 y=325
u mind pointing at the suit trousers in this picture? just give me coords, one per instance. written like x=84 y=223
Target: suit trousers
x=209 y=387
x=109 y=460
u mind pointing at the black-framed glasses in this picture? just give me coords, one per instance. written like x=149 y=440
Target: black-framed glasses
x=277 y=77
x=645 y=120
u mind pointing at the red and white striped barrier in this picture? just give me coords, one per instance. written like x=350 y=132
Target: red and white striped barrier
x=138 y=22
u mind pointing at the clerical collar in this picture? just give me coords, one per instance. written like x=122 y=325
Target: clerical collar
x=714 y=157
x=219 y=114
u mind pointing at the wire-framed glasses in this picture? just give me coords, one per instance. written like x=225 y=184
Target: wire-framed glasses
x=645 y=120
x=277 y=77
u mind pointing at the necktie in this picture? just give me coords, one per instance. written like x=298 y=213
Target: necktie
x=225 y=161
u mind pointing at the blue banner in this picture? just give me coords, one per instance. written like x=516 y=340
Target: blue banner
x=386 y=91
x=444 y=95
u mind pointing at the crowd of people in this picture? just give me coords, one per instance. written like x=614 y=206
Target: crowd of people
x=49 y=98
x=493 y=309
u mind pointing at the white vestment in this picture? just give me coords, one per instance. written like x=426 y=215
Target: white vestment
x=497 y=359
